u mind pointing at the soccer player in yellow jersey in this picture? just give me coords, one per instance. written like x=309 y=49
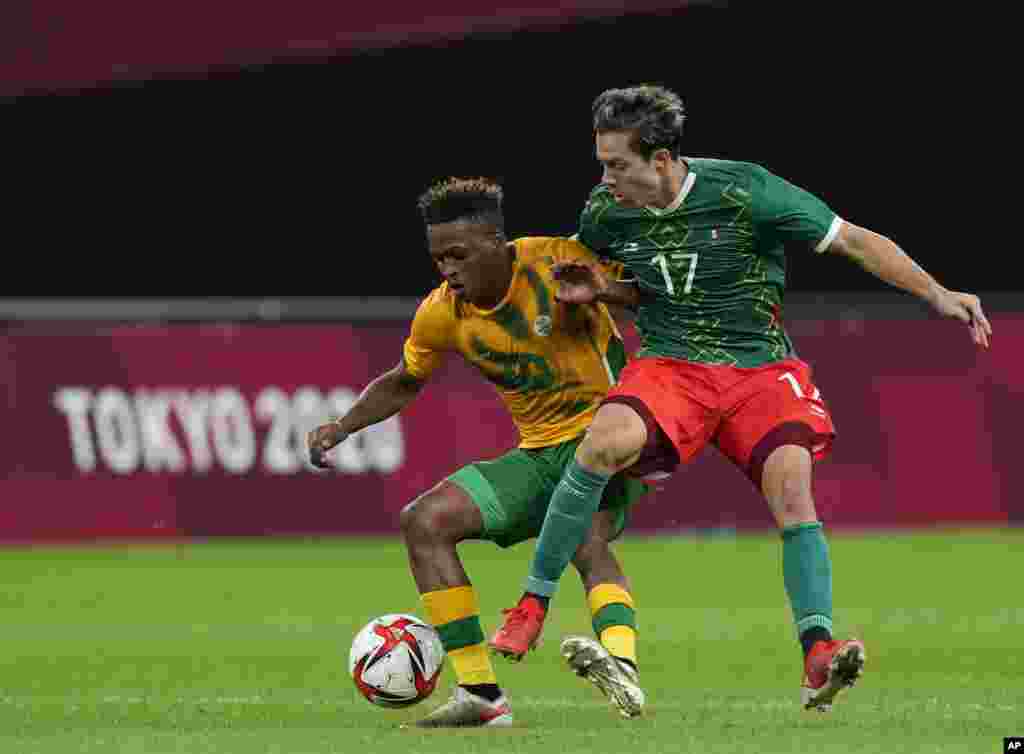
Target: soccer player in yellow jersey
x=507 y=308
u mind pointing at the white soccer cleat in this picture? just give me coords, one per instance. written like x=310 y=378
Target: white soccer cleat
x=466 y=710
x=830 y=667
x=617 y=680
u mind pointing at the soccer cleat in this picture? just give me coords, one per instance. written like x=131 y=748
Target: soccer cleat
x=830 y=667
x=519 y=634
x=466 y=710
x=617 y=680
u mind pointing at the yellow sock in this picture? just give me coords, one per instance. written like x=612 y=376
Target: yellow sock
x=620 y=641
x=455 y=614
x=614 y=620
x=472 y=665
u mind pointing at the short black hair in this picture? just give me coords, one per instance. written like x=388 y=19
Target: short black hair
x=653 y=113
x=474 y=199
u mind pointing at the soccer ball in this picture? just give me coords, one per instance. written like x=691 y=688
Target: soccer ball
x=396 y=660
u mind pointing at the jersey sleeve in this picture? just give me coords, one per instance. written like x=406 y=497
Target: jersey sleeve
x=784 y=213
x=593 y=229
x=431 y=336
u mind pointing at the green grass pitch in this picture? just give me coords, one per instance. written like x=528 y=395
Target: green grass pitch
x=241 y=646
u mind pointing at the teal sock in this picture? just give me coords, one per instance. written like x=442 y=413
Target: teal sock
x=807 y=572
x=566 y=524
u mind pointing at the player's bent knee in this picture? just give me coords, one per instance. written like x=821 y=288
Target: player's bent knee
x=786 y=483
x=424 y=519
x=786 y=447
x=614 y=440
x=445 y=513
x=410 y=520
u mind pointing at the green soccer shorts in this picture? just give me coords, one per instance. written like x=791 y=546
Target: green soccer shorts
x=513 y=491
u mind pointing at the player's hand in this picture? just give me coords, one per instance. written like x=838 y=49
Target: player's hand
x=965 y=307
x=321 y=440
x=580 y=282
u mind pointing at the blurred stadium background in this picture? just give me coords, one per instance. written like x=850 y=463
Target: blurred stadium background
x=223 y=246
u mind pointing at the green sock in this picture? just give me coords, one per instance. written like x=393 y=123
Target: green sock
x=807 y=572
x=566 y=524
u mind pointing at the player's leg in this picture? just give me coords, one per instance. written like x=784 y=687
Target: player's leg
x=830 y=666
x=631 y=421
x=609 y=593
x=610 y=663
x=613 y=442
x=806 y=564
x=431 y=527
x=782 y=427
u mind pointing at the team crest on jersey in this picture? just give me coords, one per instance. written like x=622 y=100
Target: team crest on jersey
x=542 y=325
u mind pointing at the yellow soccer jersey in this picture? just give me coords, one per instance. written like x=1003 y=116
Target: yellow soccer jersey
x=550 y=362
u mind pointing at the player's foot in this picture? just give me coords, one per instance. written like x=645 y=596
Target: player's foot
x=830 y=667
x=466 y=710
x=519 y=634
x=618 y=680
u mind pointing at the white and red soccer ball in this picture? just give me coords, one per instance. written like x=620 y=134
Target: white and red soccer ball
x=396 y=660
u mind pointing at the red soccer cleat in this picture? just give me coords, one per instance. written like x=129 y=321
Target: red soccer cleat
x=830 y=667
x=523 y=624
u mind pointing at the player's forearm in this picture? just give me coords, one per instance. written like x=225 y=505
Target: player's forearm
x=383 y=398
x=888 y=262
x=626 y=295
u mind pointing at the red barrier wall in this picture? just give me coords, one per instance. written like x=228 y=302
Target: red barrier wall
x=197 y=430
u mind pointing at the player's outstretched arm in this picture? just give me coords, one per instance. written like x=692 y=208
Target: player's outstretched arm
x=384 y=397
x=887 y=261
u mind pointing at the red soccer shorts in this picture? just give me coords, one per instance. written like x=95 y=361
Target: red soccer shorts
x=746 y=412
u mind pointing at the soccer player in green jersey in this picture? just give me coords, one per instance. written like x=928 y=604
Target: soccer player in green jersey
x=705 y=240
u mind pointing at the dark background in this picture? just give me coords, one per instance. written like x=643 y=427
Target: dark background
x=301 y=178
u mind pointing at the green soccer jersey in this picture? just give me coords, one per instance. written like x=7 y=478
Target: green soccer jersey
x=712 y=266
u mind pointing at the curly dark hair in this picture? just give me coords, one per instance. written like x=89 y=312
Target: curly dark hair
x=477 y=199
x=653 y=113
